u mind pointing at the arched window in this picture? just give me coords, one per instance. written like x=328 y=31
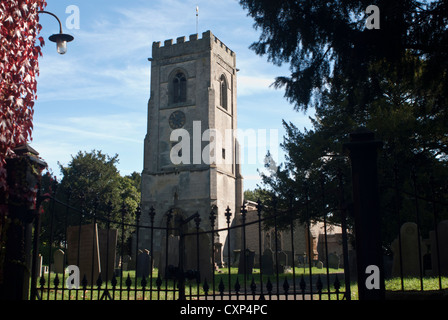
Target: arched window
x=179 y=93
x=223 y=92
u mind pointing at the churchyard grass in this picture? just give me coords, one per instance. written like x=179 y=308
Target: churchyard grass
x=166 y=292
x=429 y=284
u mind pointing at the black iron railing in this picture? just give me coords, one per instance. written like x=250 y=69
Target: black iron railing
x=301 y=281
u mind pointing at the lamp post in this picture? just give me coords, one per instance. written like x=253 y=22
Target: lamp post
x=60 y=38
x=23 y=172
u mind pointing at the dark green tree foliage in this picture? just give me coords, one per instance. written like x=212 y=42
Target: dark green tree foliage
x=326 y=40
x=136 y=179
x=93 y=187
x=258 y=194
x=392 y=80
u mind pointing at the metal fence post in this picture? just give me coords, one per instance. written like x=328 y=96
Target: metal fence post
x=362 y=150
x=23 y=177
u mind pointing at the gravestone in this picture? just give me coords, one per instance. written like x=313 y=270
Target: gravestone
x=289 y=258
x=125 y=262
x=409 y=252
x=320 y=265
x=311 y=246
x=191 y=258
x=170 y=256
x=83 y=251
x=267 y=262
x=118 y=266
x=143 y=264
x=218 y=255
x=301 y=259
x=282 y=260
x=246 y=260
x=39 y=269
x=236 y=258
x=58 y=258
x=333 y=261
x=439 y=254
x=107 y=241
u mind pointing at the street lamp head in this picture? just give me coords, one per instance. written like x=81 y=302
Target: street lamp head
x=61 y=40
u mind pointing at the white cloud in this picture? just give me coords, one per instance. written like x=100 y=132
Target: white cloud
x=57 y=139
x=112 y=128
x=249 y=85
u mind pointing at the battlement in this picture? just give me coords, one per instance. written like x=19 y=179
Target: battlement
x=193 y=43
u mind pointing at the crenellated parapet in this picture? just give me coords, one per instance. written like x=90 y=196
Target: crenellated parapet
x=171 y=47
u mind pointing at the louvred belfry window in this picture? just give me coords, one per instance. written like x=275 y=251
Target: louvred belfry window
x=223 y=92
x=179 y=88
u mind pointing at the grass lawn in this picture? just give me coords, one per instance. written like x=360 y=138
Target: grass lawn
x=169 y=291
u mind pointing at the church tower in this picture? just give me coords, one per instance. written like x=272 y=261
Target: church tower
x=191 y=154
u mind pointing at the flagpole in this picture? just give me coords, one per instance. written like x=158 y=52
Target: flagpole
x=197 y=18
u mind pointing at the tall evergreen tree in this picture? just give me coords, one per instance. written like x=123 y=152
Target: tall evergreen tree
x=392 y=80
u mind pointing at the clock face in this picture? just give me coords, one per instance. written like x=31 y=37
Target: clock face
x=177 y=119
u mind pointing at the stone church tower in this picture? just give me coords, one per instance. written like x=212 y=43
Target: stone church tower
x=193 y=89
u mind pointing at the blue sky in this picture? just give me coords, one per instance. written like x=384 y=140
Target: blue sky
x=95 y=96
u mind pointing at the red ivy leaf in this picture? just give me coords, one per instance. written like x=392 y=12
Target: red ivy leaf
x=19 y=30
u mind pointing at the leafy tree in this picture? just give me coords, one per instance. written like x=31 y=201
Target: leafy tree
x=258 y=194
x=136 y=179
x=93 y=186
x=94 y=176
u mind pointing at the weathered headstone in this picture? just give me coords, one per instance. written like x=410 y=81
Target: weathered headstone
x=267 y=262
x=118 y=266
x=58 y=258
x=333 y=261
x=170 y=256
x=236 y=258
x=143 y=261
x=320 y=265
x=409 y=252
x=83 y=251
x=311 y=245
x=125 y=262
x=107 y=241
x=204 y=259
x=301 y=259
x=439 y=250
x=289 y=258
x=218 y=255
x=282 y=260
x=39 y=268
x=246 y=260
